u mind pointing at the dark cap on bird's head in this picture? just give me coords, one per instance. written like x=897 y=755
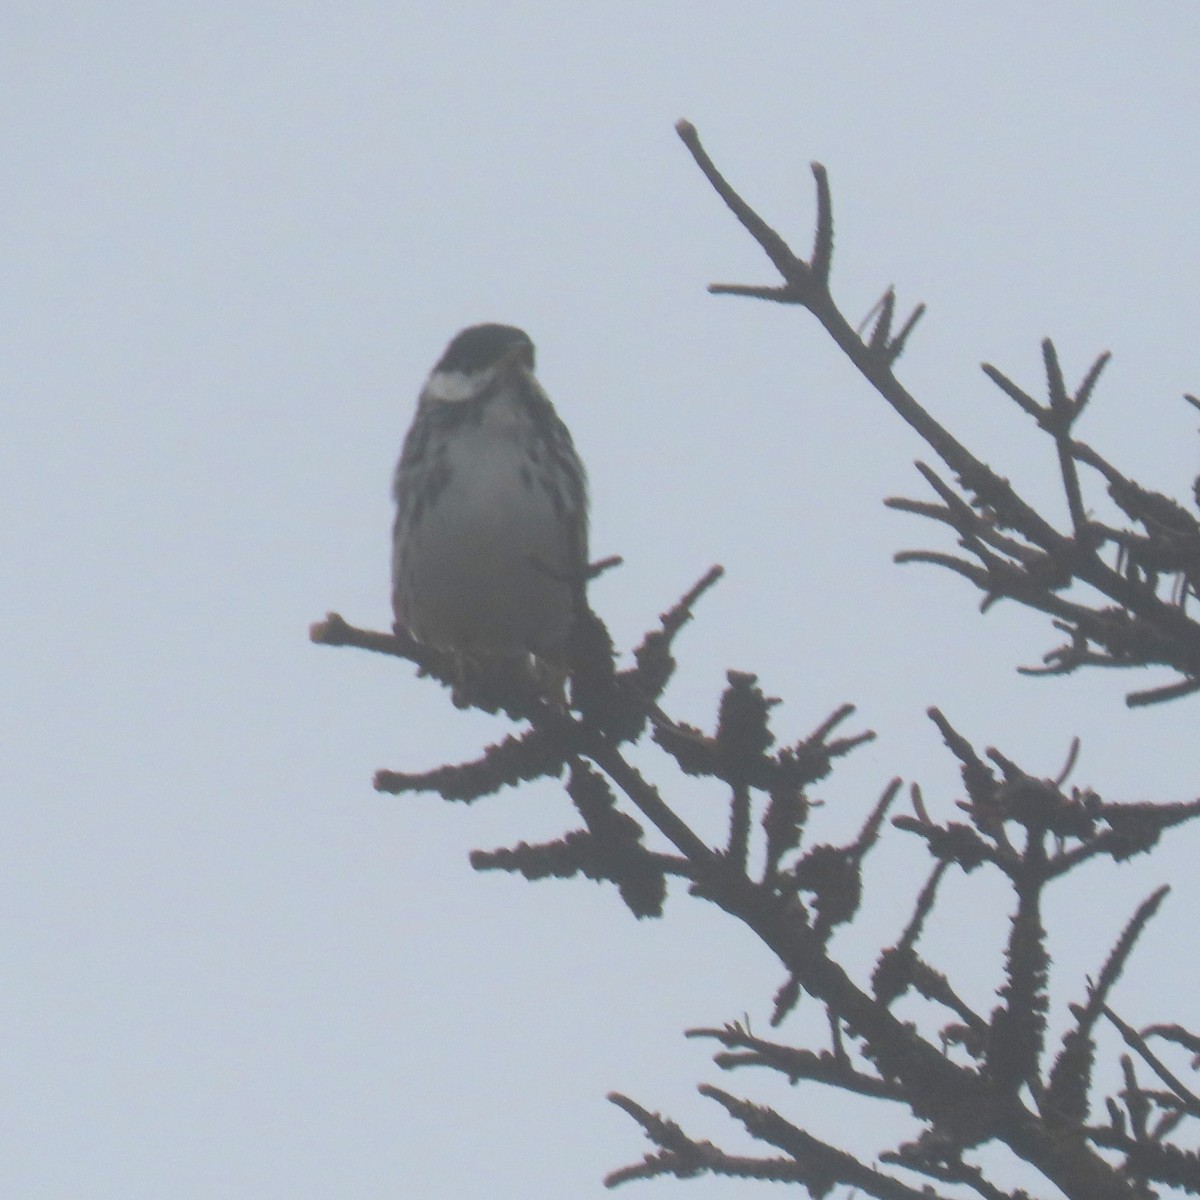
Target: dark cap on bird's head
x=479 y=347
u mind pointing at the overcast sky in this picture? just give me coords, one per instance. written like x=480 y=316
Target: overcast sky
x=234 y=238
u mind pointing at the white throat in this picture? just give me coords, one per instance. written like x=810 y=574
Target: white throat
x=453 y=387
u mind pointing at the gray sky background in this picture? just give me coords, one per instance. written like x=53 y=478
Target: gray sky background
x=234 y=238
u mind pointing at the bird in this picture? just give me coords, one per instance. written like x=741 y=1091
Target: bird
x=490 y=540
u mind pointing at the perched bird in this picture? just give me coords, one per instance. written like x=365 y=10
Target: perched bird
x=490 y=543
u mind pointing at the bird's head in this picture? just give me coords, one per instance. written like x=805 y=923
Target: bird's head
x=475 y=360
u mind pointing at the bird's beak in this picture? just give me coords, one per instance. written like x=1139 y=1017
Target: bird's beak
x=515 y=362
